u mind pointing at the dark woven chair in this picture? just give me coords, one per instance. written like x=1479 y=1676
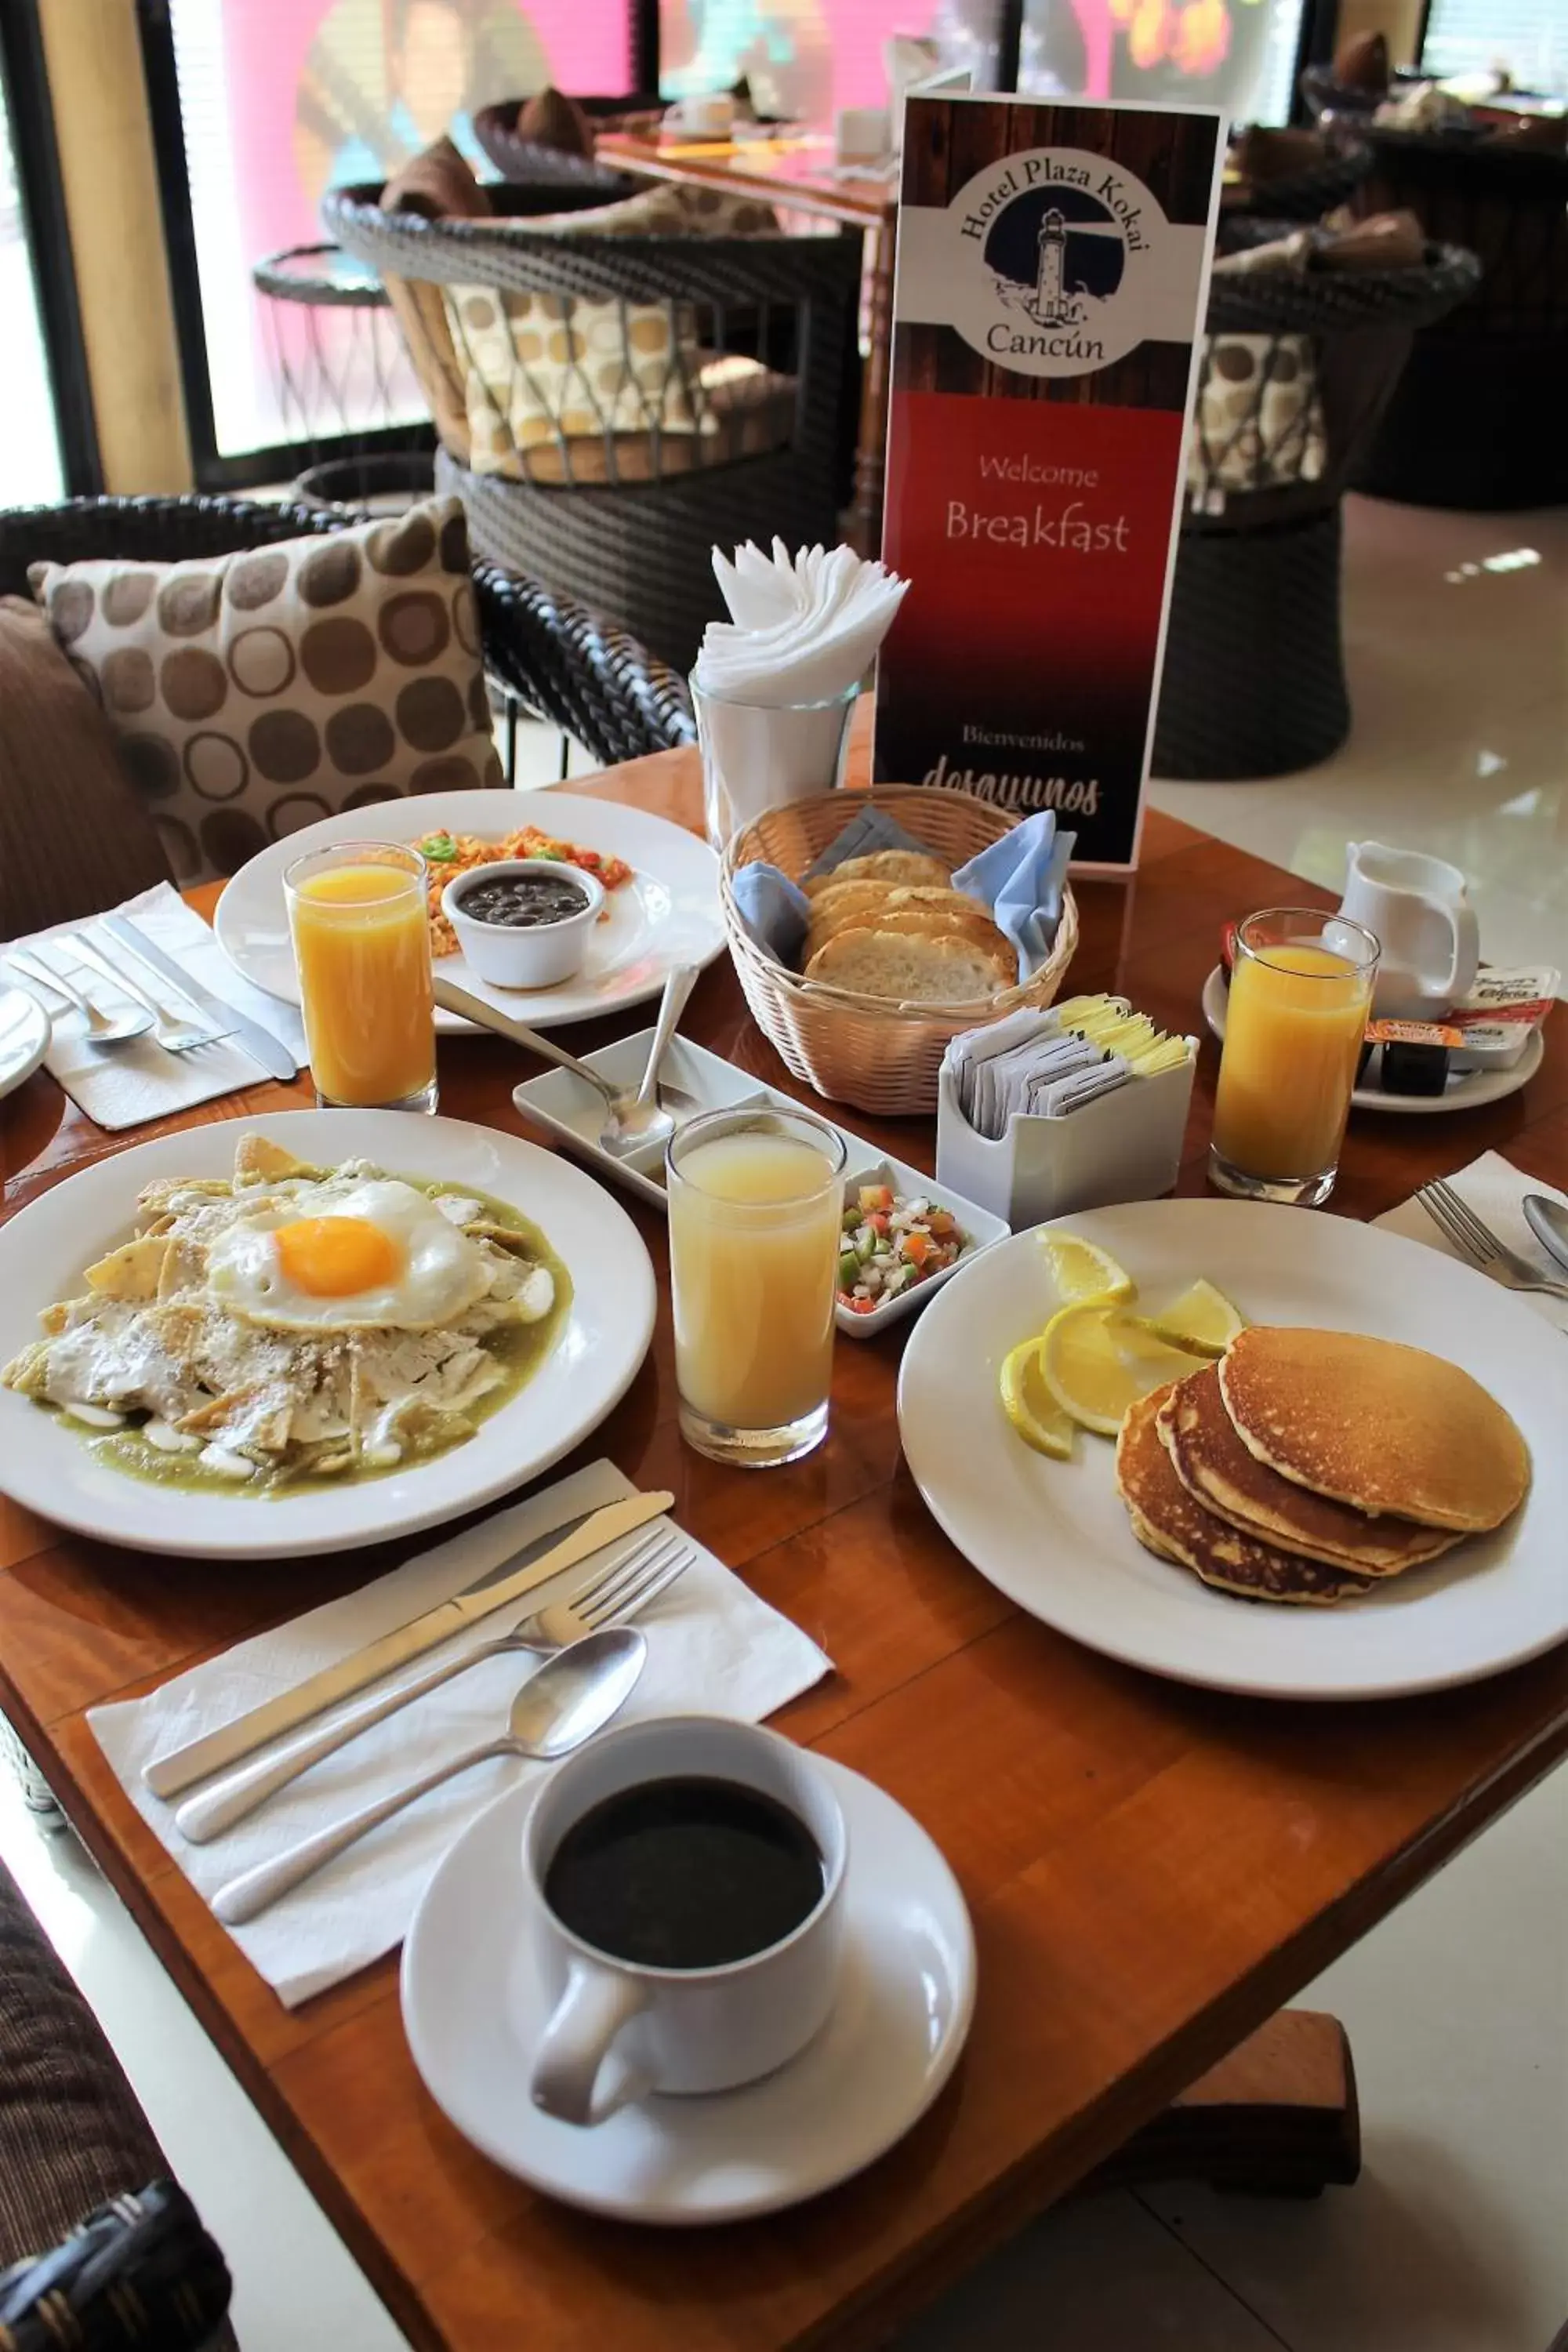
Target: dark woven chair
x=1254 y=681
x=98 y=2248
x=528 y=164
x=627 y=520
x=1304 y=195
x=1477 y=420
x=559 y=662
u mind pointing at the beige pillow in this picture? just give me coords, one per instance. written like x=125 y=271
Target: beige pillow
x=1259 y=421
x=255 y=693
x=544 y=367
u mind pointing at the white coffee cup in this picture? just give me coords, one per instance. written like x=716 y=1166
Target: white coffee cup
x=678 y=2030
x=1416 y=909
x=710 y=114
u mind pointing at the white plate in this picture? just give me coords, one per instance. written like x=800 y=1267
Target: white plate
x=573 y=1111
x=24 y=1036
x=473 y=2006
x=595 y=1357
x=1054 y=1536
x=1467 y=1090
x=668 y=914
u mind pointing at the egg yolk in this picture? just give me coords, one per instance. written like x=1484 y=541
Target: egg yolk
x=333 y=1257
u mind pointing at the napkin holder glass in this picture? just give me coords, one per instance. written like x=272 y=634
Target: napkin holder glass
x=1124 y=1146
x=757 y=756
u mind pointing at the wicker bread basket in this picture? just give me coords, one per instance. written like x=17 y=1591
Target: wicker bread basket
x=879 y=1055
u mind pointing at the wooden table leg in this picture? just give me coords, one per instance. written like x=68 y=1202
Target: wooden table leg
x=870 y=455
x=1277 y=2118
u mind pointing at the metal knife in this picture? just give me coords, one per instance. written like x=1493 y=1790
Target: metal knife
x=171 y=1774
x=258 y=1043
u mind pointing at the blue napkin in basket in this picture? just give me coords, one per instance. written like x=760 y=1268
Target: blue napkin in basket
x=1018 y=881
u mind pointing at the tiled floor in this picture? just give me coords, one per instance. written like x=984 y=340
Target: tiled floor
x=1457 y=2005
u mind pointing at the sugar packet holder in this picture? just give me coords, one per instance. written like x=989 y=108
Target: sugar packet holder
x=1122 y=1145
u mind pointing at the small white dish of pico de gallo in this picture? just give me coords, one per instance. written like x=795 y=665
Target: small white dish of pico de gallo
x=901 y=1237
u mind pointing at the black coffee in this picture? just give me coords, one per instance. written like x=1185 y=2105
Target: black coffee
x=685 y=1873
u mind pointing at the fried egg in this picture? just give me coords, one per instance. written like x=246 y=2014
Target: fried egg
x=371 y=1254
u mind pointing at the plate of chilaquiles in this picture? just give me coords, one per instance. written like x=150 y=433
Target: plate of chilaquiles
x=1250 y=1448
x=660 y=884
x=311 y=1331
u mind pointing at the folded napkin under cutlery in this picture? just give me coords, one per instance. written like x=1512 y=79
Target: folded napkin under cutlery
x=126 y=1086
x=1495 y=1189
x=803 y=628
x=712 y=1647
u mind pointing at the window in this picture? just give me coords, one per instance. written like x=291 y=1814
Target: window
x=805 y=58
x=1238 y=54
x=280 y=99
x=31 y=471
x=1529 y=36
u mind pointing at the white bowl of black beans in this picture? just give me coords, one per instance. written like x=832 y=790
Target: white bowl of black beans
x=523 y=922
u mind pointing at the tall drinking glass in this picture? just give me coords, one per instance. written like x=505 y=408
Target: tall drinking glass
x=362 y=942
x=1300 y=991
x=755 y=1206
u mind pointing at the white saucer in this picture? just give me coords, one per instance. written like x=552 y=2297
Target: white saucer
x=473 y=2005
x=1467 y=1091
x=24 y=1036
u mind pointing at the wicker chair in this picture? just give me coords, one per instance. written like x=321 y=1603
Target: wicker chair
x=1304 y=194
x=627 y=520
x=583 y=675
x=1478 y=418
x=1254 y=681
x=528 y=164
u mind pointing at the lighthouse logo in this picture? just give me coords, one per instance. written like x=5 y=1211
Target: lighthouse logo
x=1057 y=254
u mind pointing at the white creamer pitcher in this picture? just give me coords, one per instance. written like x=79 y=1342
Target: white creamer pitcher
x=1417 y=908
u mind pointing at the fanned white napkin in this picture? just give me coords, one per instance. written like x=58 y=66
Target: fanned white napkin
x=713 y=1647
x=1494 y=1188
x=803 y=628
x=126 y=1086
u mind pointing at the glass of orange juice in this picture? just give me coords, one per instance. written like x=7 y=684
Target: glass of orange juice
x=1300 y=991
x=361 y=944
x=756 y=1200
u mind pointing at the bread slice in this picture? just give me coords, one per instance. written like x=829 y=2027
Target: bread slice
x=915 y=922
x=908 y=968
x=881 y=865
x=858 y=902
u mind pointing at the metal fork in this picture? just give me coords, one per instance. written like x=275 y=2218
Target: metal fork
x=170 y=1028
x=614 y=1596
x=1475 y=1241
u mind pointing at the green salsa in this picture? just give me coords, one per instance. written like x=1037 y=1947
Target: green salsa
x=519 y=1349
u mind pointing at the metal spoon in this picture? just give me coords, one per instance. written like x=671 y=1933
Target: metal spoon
x=1548 y=1221
x=572 y=1696
x=102 y=1028
x=630 y=1123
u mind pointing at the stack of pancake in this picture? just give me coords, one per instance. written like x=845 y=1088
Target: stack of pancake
x=1307 y=1466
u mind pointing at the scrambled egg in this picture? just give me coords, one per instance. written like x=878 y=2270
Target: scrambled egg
x=291 y=1321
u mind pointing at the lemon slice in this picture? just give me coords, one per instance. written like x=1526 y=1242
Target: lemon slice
x=1092 y=1378
x=1030 y=1406
x=1082 y=1270
x=1203 y=1322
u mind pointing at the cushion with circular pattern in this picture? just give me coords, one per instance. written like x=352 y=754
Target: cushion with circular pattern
x=253 y=694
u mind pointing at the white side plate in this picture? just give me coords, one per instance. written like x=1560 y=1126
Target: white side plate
x=668 y=914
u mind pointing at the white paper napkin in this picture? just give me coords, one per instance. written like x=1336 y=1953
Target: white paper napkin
x=1494 y=1188
x=803 y=628
x=713 y=1647
x=126 y=1086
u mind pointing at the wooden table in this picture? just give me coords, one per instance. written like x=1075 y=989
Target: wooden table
x=1152 y=1870
x=797 y=174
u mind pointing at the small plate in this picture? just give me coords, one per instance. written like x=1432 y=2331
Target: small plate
x=24 y=1036
x=474 y=2006
x=1466 y=1091
x=668 y=914
x=570 y=1110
